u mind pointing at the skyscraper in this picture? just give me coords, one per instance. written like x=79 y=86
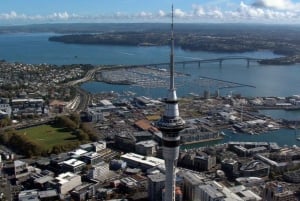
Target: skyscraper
x=170 y=125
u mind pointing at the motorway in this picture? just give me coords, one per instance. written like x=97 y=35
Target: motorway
x=79 y=103
x=82 y=98
x=88 y=76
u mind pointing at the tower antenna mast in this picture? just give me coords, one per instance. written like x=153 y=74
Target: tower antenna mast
x=170 y=125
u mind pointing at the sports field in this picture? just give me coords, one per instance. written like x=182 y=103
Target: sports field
x=48 y=136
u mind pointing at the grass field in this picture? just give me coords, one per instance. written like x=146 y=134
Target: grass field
x=48 y=136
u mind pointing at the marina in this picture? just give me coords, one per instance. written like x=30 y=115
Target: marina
x=146 y=77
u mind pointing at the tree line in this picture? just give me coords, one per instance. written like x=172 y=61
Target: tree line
x=26 y=146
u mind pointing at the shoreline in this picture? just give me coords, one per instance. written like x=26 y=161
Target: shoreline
x=205 y=140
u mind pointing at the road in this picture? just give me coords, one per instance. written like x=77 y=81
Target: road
x=88 y=76
x=82 y=98
x=79 y=103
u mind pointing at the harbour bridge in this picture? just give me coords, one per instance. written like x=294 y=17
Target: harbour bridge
x=200 y=61
x=156 y=74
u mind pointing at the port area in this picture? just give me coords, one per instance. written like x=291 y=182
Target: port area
x=215 y=114
x=206 y=116
x=128 y=116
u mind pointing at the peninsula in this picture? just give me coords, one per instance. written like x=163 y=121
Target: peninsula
x=197 y=37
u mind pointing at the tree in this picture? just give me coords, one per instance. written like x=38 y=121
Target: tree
x=5 y=138
x=67 y=122
x=5 y=122
x=82 y=136
x=86 y=128
x=75 y=118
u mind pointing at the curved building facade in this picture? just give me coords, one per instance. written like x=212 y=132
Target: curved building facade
x=255 y=169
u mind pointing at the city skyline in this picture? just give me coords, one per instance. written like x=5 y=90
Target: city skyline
x=98 y=11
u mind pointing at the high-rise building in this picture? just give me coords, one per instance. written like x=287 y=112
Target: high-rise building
x=170 y=125
x=156 y=186
x=278 y=191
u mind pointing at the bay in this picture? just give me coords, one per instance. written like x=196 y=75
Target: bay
x=269 y=80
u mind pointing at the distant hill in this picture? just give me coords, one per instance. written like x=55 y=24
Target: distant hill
x=281 y=39
x=224 y=29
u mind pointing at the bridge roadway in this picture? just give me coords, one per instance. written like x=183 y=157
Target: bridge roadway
x=199 y=61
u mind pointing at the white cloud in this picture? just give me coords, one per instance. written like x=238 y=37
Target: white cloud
x=161 y=13
x=216 y=13
x=268 y=11
x=277 y=4
x=179 y=13
x=57 y=16
x=144 y=14
x=249 y=12
x=11 y=15
x=198 y=10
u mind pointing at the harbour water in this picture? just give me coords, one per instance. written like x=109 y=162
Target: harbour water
x=282 y=137
x=282 y=114
x=268 y=80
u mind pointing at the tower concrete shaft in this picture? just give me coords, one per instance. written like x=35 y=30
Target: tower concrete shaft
x=170 y=125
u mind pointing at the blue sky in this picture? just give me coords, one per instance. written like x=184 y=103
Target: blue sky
x=219 y=11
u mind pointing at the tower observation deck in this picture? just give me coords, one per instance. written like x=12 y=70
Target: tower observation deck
x=170 y=125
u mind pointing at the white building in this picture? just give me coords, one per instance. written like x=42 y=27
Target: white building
x=191 y=182
x=214 y=191
x=5 y=110
x=100 y=145
x=28 y=195
x=94 y=146
x=209 y=192
x=143 y=162
x=106 y=102
x=99 y=171
x=95 y=114
x=156 y=184
x=73 y=165
x=91 y=158
x=147 y=148
x=67 y=181
x=77 y=153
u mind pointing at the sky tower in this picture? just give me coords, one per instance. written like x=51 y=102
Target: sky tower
x=170 y=125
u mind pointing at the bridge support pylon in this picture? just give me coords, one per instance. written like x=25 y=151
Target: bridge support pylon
x=220 y=63
x=248 y=63
x=199 y=64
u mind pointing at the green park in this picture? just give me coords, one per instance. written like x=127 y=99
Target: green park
x=62 y=134
x=48 y=136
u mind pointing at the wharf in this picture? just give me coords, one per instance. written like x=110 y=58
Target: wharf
x=203 y=140
x=277 y=107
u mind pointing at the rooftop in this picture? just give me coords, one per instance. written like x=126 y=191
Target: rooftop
x=149 y=160
x=91 y=154
x=193 y=178
x=65 y=177
x=157 y=177
x=78 y=152
x=48 y=193
x=148 y=143
x=73 y=162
